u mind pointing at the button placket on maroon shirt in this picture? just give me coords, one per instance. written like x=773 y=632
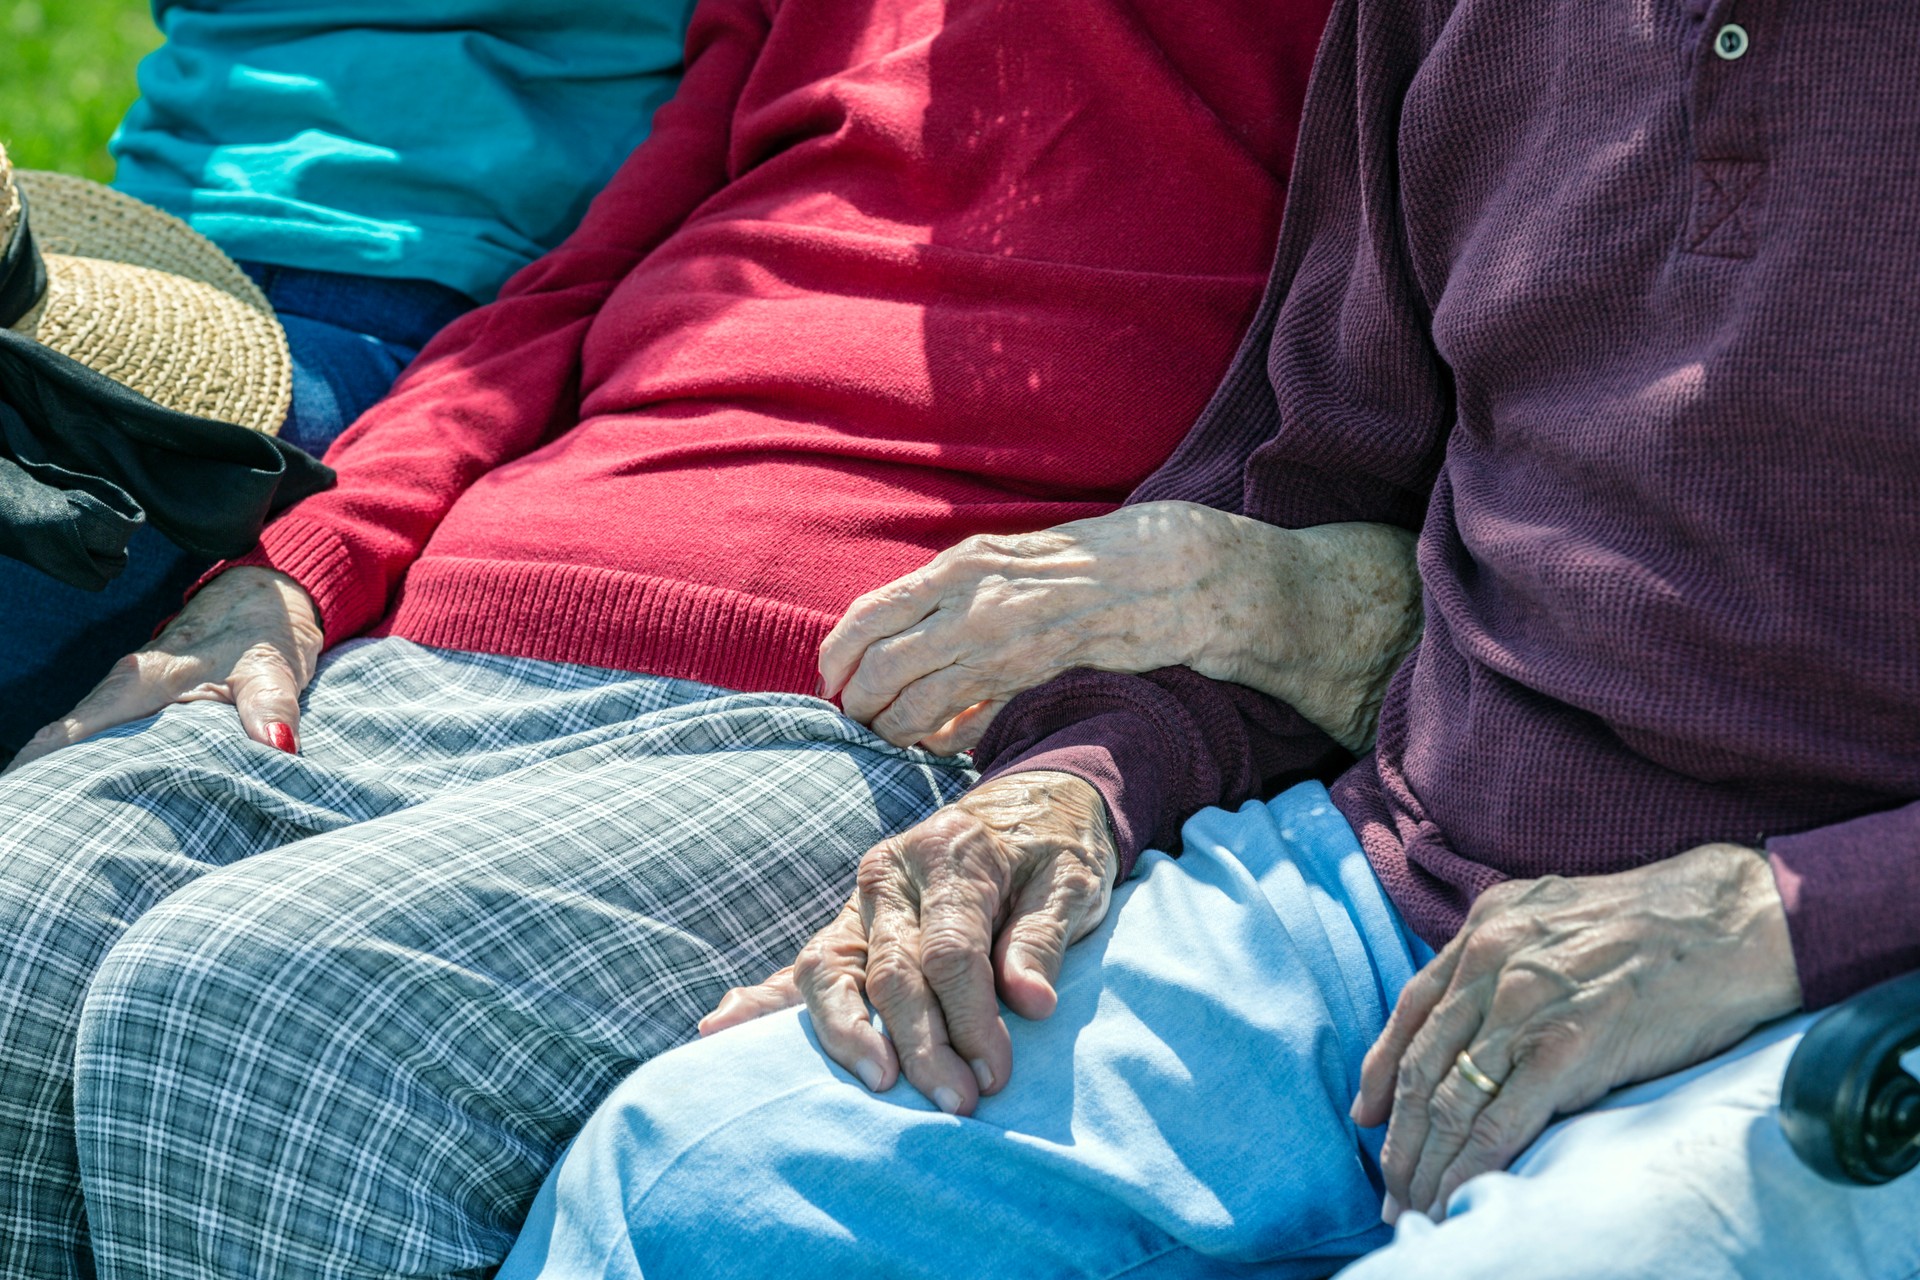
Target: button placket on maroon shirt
x=1726 y=104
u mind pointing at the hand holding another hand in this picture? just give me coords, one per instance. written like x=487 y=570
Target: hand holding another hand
x=986 y=895
x=250 y=637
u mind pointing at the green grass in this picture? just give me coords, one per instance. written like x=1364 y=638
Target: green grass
x=66 y=78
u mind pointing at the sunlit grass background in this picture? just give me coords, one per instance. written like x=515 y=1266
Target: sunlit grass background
x=66 y=78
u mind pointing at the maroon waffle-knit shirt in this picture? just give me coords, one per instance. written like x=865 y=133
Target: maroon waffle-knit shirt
x=1619 y=305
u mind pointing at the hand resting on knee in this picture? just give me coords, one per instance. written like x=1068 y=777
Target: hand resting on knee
x=1319 y=618
x=251 y=637
x=1559 y=990
x=985 y=895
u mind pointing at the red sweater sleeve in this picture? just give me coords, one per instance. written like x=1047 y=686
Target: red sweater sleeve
x=505 y=379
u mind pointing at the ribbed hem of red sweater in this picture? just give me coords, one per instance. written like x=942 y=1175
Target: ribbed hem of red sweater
x=607 y=618
x=577 y=614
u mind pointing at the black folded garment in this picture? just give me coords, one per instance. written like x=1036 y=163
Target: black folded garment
x=84 y=461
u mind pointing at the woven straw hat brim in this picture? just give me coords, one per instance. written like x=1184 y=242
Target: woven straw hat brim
x=138 y=295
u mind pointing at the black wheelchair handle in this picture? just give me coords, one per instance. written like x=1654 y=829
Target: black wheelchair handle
x=1848 y=1105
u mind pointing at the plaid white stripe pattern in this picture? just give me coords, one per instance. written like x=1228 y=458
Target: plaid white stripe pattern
x=334 y=1015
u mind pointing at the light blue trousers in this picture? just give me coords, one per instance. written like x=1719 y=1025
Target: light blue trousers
x=1183 y=1114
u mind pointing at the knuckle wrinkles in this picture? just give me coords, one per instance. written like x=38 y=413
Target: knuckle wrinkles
x=895 y=592
x=917 y=1059
x=1490 y=1135
x=888 y=980
x=946 y=956
x=1550 y=1041
x=1079 y=882
x=1042 y=931
x=855 y=628
x=1448 y=1121
x=878 y=670
x=1488 y=942
x=1526 y=987
x=877 y=874
x=1412 y=1081
x=809 y=965
x=910 y=708
x=1548 y=890
x=859 y=697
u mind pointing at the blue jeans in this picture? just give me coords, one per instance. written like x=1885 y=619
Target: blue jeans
x=350 y=337
x=1183 y=1114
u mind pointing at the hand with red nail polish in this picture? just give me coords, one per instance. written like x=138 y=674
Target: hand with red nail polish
x=250 y=638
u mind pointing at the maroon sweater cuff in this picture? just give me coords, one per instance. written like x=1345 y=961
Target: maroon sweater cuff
x=1109 y=752
x=1852 y=893
x=1157 y=747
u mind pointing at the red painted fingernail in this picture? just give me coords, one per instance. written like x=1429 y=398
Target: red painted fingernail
x=281 y=736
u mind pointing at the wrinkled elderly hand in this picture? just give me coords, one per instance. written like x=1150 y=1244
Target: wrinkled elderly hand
x=1560 y=990
x=1319 y=618
x=250 y=637
x=990 y=891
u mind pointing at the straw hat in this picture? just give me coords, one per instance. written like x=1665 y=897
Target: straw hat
x=137 y=295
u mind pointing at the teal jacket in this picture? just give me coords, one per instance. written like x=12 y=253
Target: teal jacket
x=444 y=140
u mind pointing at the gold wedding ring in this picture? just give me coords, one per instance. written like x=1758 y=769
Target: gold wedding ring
x=1475 y=1076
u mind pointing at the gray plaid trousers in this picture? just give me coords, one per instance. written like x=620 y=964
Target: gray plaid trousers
x=334 y=1015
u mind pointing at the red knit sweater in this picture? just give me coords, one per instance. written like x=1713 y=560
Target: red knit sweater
x=885 y=275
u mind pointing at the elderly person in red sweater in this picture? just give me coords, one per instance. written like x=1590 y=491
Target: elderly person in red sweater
x=527 y=769
x=1614 y=304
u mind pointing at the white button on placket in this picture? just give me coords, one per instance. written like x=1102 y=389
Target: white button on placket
x=1731 y=42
